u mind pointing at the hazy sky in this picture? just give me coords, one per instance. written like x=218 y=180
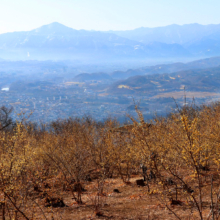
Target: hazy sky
x=19 y=15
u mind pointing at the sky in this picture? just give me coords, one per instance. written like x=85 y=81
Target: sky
x=24 y=15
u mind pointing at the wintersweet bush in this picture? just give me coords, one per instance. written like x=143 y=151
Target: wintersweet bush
x=180 y=155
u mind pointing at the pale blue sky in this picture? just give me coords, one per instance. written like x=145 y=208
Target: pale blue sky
x=22 y=15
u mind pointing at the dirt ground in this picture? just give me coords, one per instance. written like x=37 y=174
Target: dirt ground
x=130 y=202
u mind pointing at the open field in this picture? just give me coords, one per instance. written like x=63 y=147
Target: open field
x=180 y=94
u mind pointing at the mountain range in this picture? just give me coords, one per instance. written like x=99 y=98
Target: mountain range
x=178 y=34
x=58 y=42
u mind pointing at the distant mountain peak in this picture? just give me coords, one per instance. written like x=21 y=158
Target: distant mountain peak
x=53 y=27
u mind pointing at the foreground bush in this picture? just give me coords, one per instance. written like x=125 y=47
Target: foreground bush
x=178 y=158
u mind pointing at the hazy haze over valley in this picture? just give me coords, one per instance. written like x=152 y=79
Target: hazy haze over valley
x=98 y=60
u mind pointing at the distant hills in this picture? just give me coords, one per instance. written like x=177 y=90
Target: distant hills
x=83 y=77
x=58 y=42
x=197 y=80
x=168 y=68
x=205 y=45
x=197 y=76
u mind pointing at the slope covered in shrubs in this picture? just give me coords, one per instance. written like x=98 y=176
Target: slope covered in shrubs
x=171 y=163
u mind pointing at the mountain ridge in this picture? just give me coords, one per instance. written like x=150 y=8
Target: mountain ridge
x=173 y=30
x=57 y=41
